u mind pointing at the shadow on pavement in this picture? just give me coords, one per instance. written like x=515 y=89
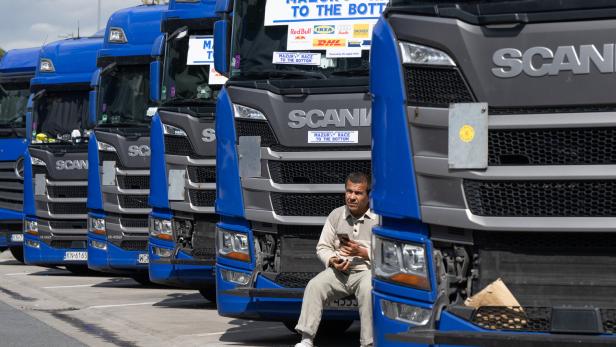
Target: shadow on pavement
x=121 y=281
x=186 y=301
x=276 y=334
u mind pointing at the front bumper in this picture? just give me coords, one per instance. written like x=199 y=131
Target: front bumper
x=114 y=259
x=265 y=301
x=8 y=228
x=181 y=271
x=47 y=255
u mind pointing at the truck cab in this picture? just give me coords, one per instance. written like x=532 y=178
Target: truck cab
x=183 y=142
x=56 y=174
x=16 y=70
x=293 y=121
x=119 y=147
x=491 y=174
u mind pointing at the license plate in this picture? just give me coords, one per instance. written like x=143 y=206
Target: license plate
x=342 y=304
x=75 y=256
x=17 y=237
x=144 y=258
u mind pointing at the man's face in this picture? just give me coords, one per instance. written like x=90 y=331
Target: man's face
x=356 y=197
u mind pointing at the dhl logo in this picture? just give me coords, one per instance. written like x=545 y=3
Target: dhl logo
x=329 y=43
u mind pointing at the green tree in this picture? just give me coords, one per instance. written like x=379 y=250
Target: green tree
x=1 y=52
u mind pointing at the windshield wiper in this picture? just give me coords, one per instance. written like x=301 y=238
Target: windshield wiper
x=183 y=101
x=124 y=123
x=351 y=72
x=266 y=74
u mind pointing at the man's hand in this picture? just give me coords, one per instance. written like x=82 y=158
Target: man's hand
x=351 y=248
x=339 y=264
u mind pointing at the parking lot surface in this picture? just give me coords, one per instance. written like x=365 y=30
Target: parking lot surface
x=52 y=307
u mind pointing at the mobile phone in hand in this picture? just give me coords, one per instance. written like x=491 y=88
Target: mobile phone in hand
x=344 y=238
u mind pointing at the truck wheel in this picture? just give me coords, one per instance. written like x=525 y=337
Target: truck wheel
x=18 y=253
x=79 y=270
x=209 y=293
x=326 y=328
x=2 y=249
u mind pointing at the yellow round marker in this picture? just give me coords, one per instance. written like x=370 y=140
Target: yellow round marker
x=467 y=133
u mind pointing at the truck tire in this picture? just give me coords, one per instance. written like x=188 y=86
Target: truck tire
x=209 y=293
x=2 y=249
x=18 y=253
x=326 y=328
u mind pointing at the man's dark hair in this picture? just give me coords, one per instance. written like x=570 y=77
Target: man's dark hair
x=359 y=177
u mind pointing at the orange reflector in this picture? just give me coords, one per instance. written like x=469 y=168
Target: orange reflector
x=412 y=280
x=32 y=232
x=238 y=256
x=99 y=232
x=165 y=237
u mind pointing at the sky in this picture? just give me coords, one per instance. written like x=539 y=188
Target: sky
x=30 y=23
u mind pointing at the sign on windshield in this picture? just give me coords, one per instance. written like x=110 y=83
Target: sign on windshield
x=201 y=52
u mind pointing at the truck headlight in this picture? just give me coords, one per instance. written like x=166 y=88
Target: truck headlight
x=105 y=147
x=421 y=55
x=161 y=228
x=400 y=262
x=246 y=112
x=171 y=130
x=97 y=226
x=236 y=277
x=232 y=245
x=117 y=35
x=31 y=227
x=99 y=245
x=405 y=313
x=47 y=65
x=37 y=161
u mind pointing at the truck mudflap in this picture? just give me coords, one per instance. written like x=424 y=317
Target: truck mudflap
x=498 y=339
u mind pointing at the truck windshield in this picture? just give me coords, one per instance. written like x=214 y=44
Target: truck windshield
x=253 y=47
x=183 y=83
x=58 y=114
x=494 y=7
x=13 y=102
x=124 y=96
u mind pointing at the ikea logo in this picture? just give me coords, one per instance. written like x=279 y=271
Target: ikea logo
x=324 y=29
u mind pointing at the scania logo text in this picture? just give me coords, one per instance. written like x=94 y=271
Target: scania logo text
x=71 y=165
x=208 y=135
x=139 y=151
x=542 y=61
x=357 y=117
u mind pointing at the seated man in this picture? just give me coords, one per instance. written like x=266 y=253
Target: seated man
x=344 y=249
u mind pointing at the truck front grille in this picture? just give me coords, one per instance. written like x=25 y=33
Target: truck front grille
x=315 y=172
x=134 y=182
x=67 y=207
x=306 y=204
x=109 y=156
x=68 y=224
x=11 y=187
x=294 y=279
x=134 y=245
x=68 y=244
x=134 y=222
x=432 y=86
x=596 y=198
x=202 y=174
x=67 y=191
x=179 y=145
x=570 y=146
x=202 y=198
x=245 y=127
x=133 y=201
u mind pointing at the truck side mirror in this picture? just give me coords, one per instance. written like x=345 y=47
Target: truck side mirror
x=222 y=38
x=155 y=81
x=92 y=109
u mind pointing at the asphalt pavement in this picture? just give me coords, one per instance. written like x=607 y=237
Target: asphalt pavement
x=52 y=307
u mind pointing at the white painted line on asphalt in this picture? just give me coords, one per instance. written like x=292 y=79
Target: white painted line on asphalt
x=120 y=305
x=73 y=286
x=239 y=330
x=18 y=274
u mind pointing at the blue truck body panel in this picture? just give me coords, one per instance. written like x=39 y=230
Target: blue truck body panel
x=74 y=62
x=17 y=68
x=141 y=27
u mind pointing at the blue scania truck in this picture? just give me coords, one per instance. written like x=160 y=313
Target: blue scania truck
x=56 y=170
x=16 y=70
x=492 y=159
x=119 y=147
x=291 y=125
x=183 y=141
